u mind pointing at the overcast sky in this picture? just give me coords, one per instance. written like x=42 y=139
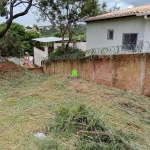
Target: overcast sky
x=30 y=19
x=126 y=3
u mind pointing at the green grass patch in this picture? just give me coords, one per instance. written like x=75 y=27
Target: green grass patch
x=61 y=108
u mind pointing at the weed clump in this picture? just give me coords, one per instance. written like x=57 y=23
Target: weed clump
x=91 y=131
x=45 y=145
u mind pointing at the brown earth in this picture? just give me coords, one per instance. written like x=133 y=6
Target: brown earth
x=7 y=66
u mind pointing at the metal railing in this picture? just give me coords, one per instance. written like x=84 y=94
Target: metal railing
x=141 y=47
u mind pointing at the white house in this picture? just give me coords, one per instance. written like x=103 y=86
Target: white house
x=41 y=53
x=75 y=45
x=125 y=28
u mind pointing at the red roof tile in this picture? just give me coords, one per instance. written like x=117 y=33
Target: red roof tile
x=145 y=9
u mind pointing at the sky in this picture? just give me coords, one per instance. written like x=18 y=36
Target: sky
x=30 y=18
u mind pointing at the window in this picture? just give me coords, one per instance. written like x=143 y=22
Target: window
x=129 y=41
x=110 y=34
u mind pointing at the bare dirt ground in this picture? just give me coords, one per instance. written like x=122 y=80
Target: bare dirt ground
x=7 y=66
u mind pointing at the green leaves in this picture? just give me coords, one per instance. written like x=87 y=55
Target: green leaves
x=10 y=46
x=16 y=41
x=29 y=44
x=3 y=8
x=65 y=13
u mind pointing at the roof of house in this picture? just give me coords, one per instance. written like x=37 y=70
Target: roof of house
x=49 y=39
x=135 y=11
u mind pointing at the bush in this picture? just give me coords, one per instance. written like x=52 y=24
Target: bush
x=59 y=54
x=10 y=46
x=91 y=131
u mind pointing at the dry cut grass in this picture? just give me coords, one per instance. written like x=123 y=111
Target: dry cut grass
x=28 y=103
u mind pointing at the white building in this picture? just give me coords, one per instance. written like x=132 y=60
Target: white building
x=41 y=53
x=75 y=45
x=125 y=28
x=18 y=61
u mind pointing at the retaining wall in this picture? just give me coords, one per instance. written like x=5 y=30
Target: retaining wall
x=36 y=70
x=129 y=72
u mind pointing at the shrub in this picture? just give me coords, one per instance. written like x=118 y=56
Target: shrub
x=59 y=54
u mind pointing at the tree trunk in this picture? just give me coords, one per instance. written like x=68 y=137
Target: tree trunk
x=63 y=42
x=12 y=16
x=69 y=40
x=8 y=24
x=70 y=36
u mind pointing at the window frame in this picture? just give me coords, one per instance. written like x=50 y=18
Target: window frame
x=129 y=34
x=108 y=31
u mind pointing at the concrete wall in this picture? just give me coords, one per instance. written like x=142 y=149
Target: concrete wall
x=79 y=45
x=147 y=30
x=40 y=55
x=18 y=61
x=59 y=44
x=129 y=72
x=97 y=31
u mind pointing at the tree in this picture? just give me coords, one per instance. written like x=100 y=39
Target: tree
x=25 y=37
x=28 y=42
x=10 y=45
x=104 y=8
x=15 y=30
x=65 y=13
x=36 y=27
x=7 y=8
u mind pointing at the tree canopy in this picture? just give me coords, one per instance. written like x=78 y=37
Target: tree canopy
x=10 y=46
x=17 y=40
x=7 y=8
x=65 y=13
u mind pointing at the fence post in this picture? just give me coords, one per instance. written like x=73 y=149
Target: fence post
x=143 y=71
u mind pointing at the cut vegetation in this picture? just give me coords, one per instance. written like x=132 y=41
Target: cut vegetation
x=74 y=114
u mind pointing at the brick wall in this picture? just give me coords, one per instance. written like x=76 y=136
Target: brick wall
x=129 y=72
x=36 y=70
x=147 y=77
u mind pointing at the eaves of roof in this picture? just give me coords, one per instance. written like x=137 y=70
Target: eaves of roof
x=135 y=11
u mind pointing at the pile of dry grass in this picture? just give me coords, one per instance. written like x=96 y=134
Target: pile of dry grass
x=90 y=130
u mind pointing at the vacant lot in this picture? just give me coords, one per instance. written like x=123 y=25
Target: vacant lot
x=28 y=103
